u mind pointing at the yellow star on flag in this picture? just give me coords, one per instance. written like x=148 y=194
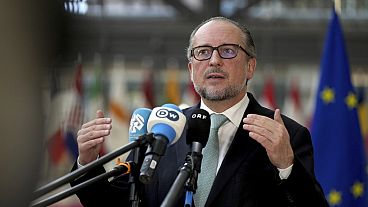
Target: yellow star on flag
x=351 y=100
x=334 y=198
x=328 y=95
x=357 y=189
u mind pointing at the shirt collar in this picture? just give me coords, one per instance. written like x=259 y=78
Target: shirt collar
x=233 y=112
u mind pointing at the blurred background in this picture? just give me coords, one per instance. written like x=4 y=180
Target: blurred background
x=119 y=55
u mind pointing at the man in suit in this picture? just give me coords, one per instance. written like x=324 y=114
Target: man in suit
x=264 y=158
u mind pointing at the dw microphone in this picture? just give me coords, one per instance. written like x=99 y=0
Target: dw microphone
x=166 y=123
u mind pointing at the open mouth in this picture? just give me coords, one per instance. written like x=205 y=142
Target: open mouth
x=215 y=76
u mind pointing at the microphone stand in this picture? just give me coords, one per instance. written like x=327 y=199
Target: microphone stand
x=175 y=191
x=134 y=177
x=142 y=140
x=124 y=168
x=191 y=184
x=189 y=175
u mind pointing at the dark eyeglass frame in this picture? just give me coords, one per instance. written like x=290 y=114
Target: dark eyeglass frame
x=217 y=48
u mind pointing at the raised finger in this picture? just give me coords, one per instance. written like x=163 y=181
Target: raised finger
x=277 y=116
x=100 y=114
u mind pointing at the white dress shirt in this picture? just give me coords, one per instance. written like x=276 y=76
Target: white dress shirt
x=227 y=131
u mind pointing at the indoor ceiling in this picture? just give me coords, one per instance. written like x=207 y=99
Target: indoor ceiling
x=285 y=31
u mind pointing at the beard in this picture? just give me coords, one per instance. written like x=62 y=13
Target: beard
x=229 y=92
x=215 y=94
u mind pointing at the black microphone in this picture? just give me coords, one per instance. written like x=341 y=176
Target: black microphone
x=199 y=125
x=166 y=123
x=197 y=136
x=198 y=131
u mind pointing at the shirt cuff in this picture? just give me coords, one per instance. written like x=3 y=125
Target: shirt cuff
x=284 y=173
x=80 y=165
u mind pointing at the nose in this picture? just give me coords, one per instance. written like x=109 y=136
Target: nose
x=215 y=60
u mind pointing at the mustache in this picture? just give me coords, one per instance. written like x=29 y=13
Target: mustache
x=216 y=70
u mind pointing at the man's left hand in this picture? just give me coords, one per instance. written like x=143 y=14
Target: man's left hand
x=273 y=136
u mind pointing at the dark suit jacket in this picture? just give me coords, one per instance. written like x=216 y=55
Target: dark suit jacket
x=246 y=177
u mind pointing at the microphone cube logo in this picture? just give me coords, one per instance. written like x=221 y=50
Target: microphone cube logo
x=165 y=113
x=136 y=123
x=199 y=116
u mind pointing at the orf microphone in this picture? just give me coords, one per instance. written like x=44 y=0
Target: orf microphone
x=198 y=129
x=197 y=136
x=166 y=123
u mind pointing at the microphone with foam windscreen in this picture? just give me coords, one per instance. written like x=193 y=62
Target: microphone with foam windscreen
x=198 y=129
x=197 y=136
x=137 y=128
x=138 y=123
x=166 y=123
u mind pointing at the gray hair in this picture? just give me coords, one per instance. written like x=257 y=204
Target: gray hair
x=247 y=39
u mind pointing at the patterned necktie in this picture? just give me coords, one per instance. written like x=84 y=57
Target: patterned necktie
x=209 y=162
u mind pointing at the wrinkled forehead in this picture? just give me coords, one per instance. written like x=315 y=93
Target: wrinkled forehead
x=217 y=32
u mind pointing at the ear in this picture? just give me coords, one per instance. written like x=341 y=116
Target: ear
x=251 y=67
x=190 y=69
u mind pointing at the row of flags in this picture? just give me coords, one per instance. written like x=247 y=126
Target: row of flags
x=74 y=105
x=62 y=138
x=292 y=107
x=339 y=124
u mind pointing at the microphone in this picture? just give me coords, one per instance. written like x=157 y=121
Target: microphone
x=197 y=136
x=138 y=123
x=166 y=123
x=199 y=125
x=137 y=128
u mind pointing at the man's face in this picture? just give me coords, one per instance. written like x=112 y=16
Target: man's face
x=217 y=78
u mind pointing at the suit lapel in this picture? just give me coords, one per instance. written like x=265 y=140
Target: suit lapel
x=240 y=149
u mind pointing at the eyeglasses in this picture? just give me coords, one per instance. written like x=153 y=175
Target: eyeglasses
x=226 y=51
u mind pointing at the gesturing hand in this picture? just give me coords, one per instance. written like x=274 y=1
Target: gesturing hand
x=273 y=136
x=91 y=136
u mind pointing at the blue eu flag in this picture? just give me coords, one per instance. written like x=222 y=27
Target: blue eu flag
x=337 y=139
